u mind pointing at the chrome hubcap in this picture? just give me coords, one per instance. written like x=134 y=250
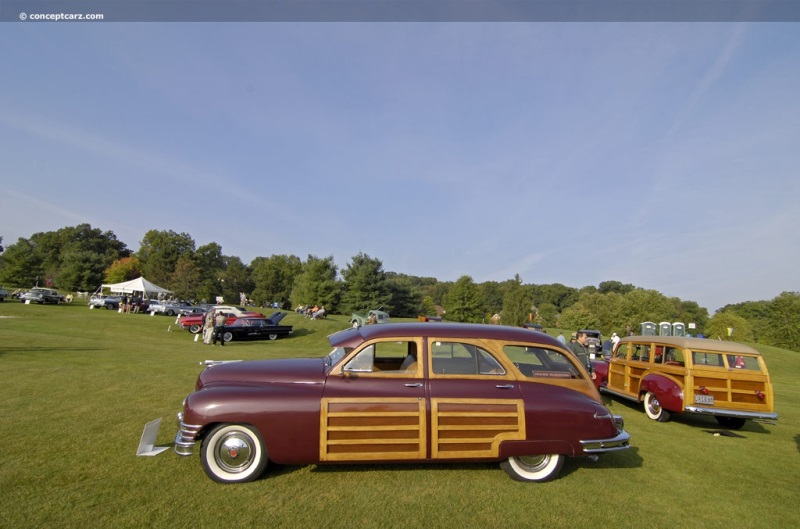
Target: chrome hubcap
x=533 y=463
x=234 y=452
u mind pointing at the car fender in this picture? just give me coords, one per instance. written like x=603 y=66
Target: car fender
x=295 y=407
x=600 y=369
x=666 y=388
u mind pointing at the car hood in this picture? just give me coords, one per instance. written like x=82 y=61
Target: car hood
x=259 y=372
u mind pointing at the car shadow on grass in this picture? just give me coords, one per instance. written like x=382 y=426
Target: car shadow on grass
x=711 y=425
x=629 y=458
x=401 y=467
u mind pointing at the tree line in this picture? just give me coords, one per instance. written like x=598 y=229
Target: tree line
x=81 y=258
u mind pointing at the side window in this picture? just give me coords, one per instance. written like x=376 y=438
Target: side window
x=363 y=362
x=537 y=362
x=389 y=358
x=622 y=351
x=673 y=356
x=706 y=359
x=641 y=353
x=487 y=365
x=743 y=362
x=455 y=358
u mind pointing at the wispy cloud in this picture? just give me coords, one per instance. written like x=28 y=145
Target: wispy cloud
x=711 y=76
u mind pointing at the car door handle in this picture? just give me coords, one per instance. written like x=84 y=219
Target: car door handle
x=505 y=386
x=417 y=385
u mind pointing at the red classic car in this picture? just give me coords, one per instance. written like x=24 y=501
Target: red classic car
x=400 y=393
x=194 y=322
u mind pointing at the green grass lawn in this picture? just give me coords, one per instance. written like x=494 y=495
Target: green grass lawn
x=78 y=385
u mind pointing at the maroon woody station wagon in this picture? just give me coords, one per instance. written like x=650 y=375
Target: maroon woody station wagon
x=415 y=392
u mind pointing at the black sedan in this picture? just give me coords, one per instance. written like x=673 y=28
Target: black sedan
x=256 y=328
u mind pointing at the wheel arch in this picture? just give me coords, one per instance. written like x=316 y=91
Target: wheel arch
x=526 y=448
x=667 y=389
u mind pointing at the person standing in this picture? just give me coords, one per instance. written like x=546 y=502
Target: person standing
x=578 y=348
x=219 y=328
x=208 y=327
x=608 y=345
x=561 y=338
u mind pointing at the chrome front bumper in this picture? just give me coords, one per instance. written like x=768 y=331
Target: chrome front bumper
x=185 y=438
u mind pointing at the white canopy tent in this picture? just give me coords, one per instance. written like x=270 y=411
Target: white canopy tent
x=139 y=284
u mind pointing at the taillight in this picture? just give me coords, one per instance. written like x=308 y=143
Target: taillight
x=760 y=395
x=704 y=390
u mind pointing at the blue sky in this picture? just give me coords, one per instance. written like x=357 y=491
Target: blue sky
x=660 y=154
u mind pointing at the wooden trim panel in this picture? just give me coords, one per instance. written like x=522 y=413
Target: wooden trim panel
x=467 y=428
x=371 y=429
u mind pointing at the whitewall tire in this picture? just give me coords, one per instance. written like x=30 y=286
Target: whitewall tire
x=233 y=453
x=533 y=468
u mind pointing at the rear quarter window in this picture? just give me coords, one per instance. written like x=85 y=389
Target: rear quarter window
x=743 y=362
x=538 y=362
x=703 y=358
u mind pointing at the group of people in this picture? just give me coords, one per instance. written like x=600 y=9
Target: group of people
x=577 y=344
x=128 y=304
x=214 y=327
x=315 y=313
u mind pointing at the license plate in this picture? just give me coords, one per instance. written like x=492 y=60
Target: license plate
x=704 y=399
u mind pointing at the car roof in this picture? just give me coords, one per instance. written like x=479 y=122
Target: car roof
x=244 y=321
x=355 y=336
x=701 y=344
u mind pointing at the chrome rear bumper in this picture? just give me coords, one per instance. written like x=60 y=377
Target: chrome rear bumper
x=752 y=415
x=621 y=441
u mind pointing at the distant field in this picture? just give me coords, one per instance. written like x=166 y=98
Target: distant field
x=78 y=385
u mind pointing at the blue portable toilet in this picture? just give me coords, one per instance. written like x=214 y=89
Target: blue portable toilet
x=647 y=328
x=665 y=328
x=678 y=329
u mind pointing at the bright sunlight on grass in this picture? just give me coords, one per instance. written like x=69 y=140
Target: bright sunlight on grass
x=78 y=385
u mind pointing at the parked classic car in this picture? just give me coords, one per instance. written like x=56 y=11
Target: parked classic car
x=194 y=321
x=41 y=295
x=373 y=316
x=594 y=342
x=194 y=309
x=173 y=308
x=673 y=374
x=4 y=294
x=108 y=302
x=405 y=392
x=256 y=328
